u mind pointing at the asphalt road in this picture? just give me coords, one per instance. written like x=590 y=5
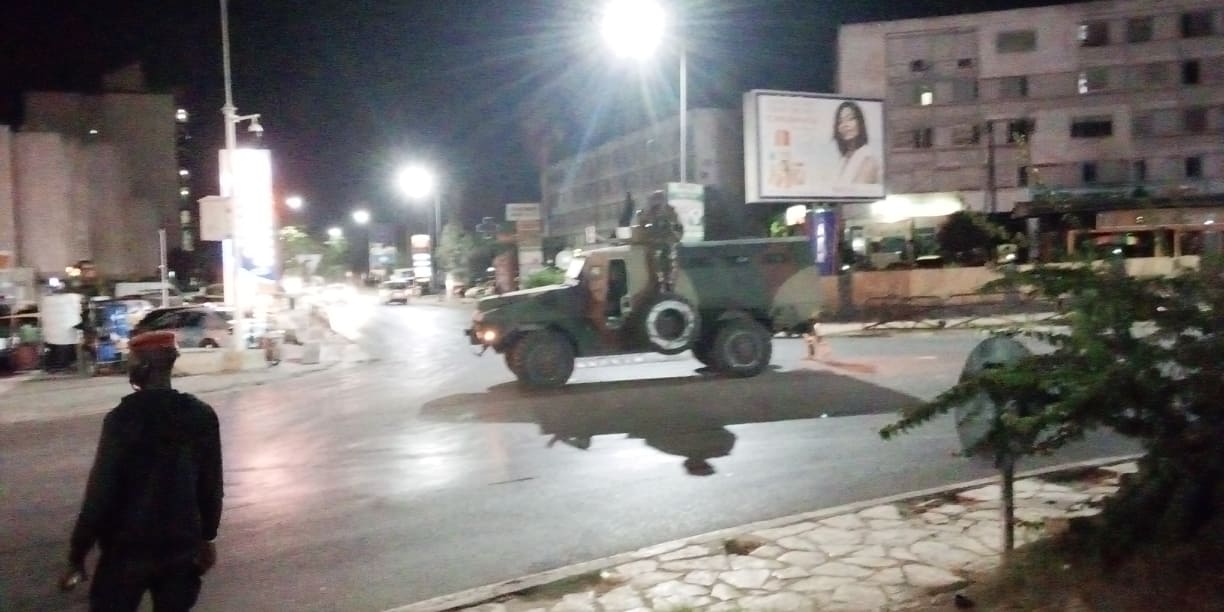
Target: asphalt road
x=428 y=471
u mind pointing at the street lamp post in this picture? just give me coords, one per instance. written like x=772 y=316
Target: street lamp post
x=418 y=182
x=231 y=249
x=634 y=29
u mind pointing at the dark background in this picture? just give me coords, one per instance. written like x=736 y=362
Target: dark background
x=349 y=90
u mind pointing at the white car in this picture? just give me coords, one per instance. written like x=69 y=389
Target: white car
x=394 y=291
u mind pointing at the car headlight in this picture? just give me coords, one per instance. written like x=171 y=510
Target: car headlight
x=488 y=335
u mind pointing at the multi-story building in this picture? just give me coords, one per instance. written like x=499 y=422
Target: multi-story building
x=91 y=177
x=590 y=189
x=1093 y=105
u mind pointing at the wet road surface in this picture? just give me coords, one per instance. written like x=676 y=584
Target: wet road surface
x=428 y=471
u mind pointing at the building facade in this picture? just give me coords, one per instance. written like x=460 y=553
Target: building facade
x=91 y=177
x=589 y=190
x=1086 y=103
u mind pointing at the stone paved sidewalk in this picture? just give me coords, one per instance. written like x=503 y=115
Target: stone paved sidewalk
x=887 y=557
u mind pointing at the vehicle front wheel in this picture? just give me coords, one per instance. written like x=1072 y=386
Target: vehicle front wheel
x=209 y=343
x=742 y=348
x=542 y=359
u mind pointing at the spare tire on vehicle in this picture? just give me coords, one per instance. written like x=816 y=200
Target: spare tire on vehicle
x=669 y=323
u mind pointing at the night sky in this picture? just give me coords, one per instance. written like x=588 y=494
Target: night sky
x=350 y=89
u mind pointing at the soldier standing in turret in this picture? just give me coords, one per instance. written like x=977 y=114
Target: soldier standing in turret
x=659 y=227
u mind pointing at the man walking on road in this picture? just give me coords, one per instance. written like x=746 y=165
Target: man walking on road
x=153 y=502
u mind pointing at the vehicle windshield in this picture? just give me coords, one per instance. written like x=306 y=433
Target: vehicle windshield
x=574 y=271
x=396 y=285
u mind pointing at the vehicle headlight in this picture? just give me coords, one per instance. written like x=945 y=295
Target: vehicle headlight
x=488 y=335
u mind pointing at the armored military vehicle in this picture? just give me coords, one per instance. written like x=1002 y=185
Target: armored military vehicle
x=727 y=300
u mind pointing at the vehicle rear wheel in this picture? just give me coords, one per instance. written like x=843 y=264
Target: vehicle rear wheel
x=209 y=343
x=742 y=348
x=542 y=359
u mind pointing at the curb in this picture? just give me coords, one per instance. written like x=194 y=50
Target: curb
x=483 y=594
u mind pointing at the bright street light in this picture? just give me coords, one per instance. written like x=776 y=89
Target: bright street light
x=634 y=29
x=335 y=233
x=361 y=217
x=294 y=202
x=416 y=182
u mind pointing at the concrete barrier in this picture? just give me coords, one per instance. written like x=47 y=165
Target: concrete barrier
x=196 y=361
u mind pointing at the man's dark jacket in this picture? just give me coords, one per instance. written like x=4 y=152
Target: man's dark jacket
x=155 y=488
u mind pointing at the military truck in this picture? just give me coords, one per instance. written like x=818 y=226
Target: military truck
x=727 y=301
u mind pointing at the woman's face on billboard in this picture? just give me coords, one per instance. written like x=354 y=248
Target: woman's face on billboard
x=847 y=124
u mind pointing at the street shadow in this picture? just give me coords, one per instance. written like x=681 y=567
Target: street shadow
x=686 y=417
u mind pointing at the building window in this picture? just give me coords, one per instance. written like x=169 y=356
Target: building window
x=923 y=138
x=1194 y=120
x=1141 y=125
x=1016 y=41
x=964 y=90
x=1022 y=176
x=1020 y=129
x=964 y=135
x=925 y=94
x=1014 y=87
x=1190 y=72
x=1094 y=80
x=918 y=66
x=1094 y=34
x=1088 y=172
x=1196 y=24
x=1139 y=170
x=1092 y=127
x=964 y=62
x=1138 y=29
x=185 y=217
x=1194 y=167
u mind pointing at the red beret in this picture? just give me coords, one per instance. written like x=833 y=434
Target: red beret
x=150 y=341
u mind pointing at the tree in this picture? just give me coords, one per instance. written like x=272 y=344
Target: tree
x=1139 y=356
x=292 y=242
x=455 y=249
x=335 y=258
x=967 y=237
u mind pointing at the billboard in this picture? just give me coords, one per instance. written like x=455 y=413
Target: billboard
x=689 y=201
x=250 y=190
x=812 y=147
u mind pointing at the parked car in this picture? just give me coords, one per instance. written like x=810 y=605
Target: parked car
x=193 y=326
x=394 y=291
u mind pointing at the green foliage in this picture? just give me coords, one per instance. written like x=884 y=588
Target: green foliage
x=292 y=242
x=544 y=278
x=1139 y=356
x=335 y=258
x=967 y=237
x=455 y=249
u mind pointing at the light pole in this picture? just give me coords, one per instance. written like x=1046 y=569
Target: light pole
x=418 y=182
x=232 y=251
x=634 y=29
